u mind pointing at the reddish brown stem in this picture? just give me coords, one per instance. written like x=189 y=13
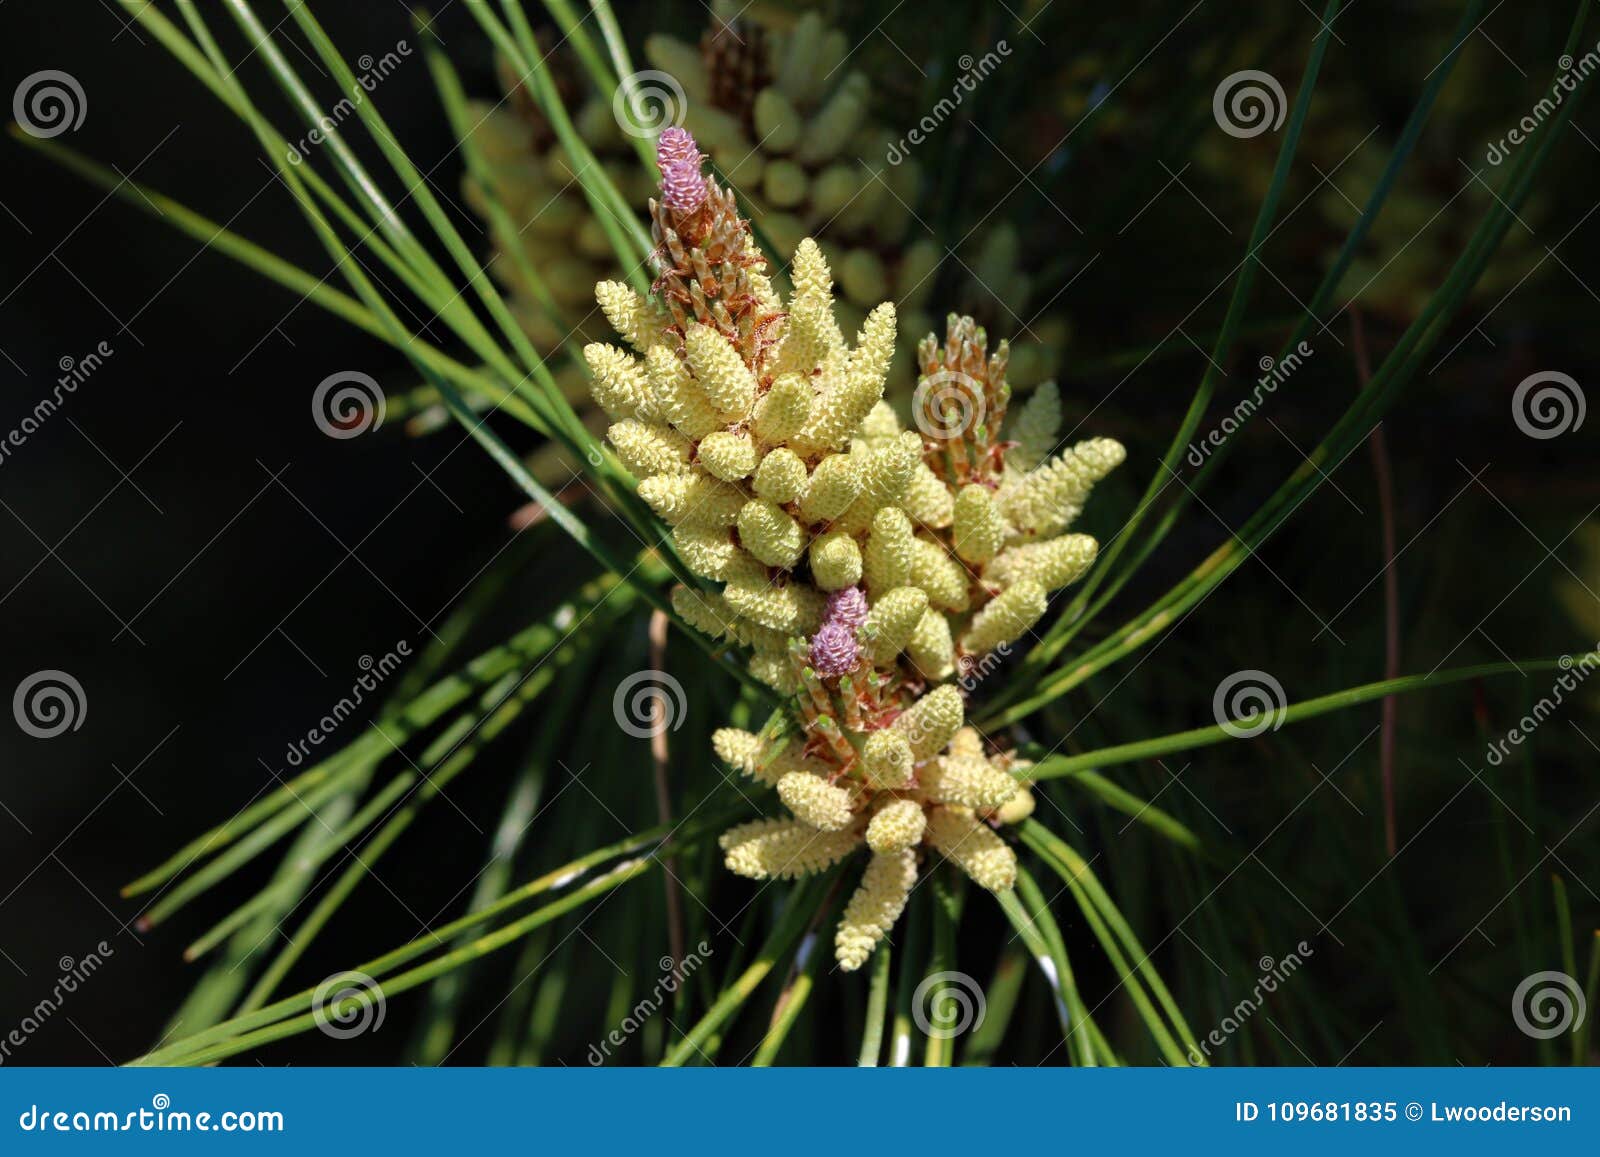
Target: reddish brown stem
x=1382 y=470
x=659 y=726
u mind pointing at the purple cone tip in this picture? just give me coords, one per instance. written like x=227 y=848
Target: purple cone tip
x=683 y=189
x=676 y=144
x=834 y=650
x=847 y=606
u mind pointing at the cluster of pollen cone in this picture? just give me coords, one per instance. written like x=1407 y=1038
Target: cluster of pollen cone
x=863 y=567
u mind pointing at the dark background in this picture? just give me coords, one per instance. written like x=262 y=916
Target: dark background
x=183 y=539
x=184 y=493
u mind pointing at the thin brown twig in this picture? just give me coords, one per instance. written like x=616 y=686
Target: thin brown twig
x=1382 y=469
x=787 y=994
x=660 y=724
x=531 y=514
